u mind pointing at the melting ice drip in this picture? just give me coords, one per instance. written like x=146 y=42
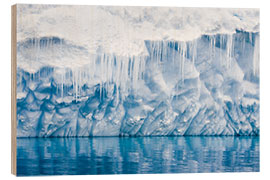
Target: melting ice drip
x=52 y=62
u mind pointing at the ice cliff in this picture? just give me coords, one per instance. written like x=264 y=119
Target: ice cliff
x=137 y=71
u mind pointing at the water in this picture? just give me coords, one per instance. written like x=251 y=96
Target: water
x=136 y=155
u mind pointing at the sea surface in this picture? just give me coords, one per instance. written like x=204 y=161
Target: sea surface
x=137 y=155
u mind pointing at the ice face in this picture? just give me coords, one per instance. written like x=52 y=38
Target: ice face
x=178 y=89
x=205 y=85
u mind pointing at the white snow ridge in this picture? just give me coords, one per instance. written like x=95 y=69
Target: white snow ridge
x=137 y=71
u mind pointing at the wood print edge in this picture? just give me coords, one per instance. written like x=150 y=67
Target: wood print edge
x=13 y=89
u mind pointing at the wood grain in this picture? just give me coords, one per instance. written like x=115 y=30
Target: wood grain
x=13 y=88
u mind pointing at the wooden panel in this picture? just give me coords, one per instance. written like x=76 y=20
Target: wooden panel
x=13 y=87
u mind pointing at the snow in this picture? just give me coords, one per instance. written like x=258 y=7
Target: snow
x=124 y=29
x=139 y=71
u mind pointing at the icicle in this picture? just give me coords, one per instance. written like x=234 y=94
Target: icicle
x=184 y=52
x=173 y=54
x=152 y=49
x=101 y=75
x=74 y=84
x=243 y=40
x=118 y=74
x=61 y=47
x=136 y=72
x=62 y=85
x=182 y=48
x=164 y=49
x=106 y=69
x=256 y=55
x=211 y=47
x=125 y=77
x=221 y=40
x=124 y=74
x=159 y=52
x=229 y=50
x=142 y=68
x=79 y=83
x=194 y=50
x=250 y=37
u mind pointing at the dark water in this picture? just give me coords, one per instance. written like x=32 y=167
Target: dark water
x=137 y=155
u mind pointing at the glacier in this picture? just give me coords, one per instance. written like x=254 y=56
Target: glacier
x=134 y=76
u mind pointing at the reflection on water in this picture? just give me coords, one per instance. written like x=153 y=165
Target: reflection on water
x=136 y=155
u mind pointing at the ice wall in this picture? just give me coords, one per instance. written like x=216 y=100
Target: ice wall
x=208 y=86
x=153 y=83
